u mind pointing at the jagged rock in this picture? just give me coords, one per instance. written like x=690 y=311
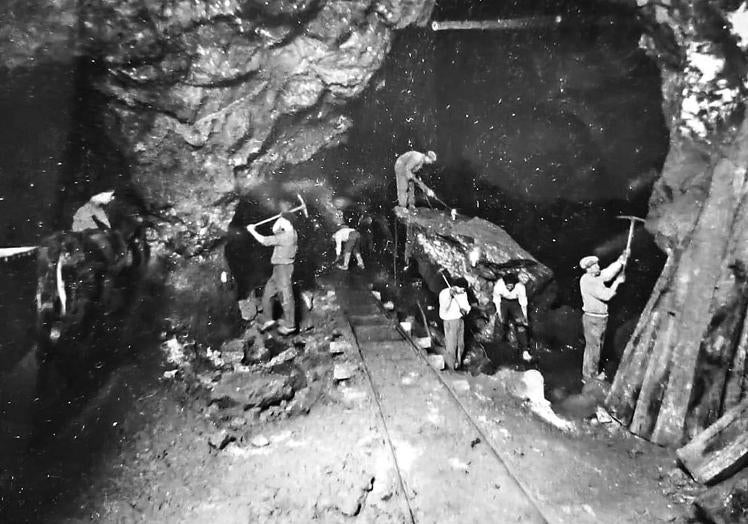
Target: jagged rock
x=232 y=351
x=338 y=347
x=252 y=389
x=259 y=441
x=726 y=503
x=248 y=308
x=343 y=372
x=219 y=439
x=282 y=357
x=303 y=400
x=436 y=361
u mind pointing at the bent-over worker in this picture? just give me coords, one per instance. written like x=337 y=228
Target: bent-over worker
x=595 y=297
x=453 y=305
x=92 y=214
x=347 y=241
x=406 y=166
x=510 y=298
x=284 y=240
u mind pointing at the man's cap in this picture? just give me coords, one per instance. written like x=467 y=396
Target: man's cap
x=431 y=155
x=588 y=262
x=103 y=198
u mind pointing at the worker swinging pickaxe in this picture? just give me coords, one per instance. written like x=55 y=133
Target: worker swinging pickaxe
x=632 y=221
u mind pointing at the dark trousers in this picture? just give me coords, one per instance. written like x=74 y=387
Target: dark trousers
x=510 y=312
x=594 y=335
x=280 y=283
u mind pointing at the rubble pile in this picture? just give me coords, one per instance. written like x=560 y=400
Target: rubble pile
x=261 y=377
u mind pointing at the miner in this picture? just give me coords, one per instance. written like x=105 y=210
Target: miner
x=510 y=298
x=453 y=305
x=595 y=297
x=406 y=166
x=347 y=240
x=284 y=241
x=92 y=214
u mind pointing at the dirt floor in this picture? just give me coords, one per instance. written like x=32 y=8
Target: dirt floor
x=174 y=454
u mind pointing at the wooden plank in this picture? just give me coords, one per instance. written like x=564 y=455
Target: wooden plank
x=737 y=375
x=7 y=253
x=721 y=449
x=628 y=381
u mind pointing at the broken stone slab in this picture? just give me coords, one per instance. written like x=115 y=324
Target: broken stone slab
x=220 y=439
x=338 y=347
x=528 y=386
x=248 y=308
x=436 y=361
x=252 y=389
x=302 y=401
x=260 y=441
x=282 y=357
x=343 y=371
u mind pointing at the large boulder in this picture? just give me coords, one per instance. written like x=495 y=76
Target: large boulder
x=250 y=390
x=440 y=243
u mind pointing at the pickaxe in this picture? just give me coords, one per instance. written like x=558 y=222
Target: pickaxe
x=632 y=220
x=301 y=207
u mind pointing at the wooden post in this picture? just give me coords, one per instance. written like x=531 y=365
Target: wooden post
x=719 y=450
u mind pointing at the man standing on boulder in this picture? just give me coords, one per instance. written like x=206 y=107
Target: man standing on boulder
x=406 y=166
x=595 y=297
x=453 y=305
x=284 y=240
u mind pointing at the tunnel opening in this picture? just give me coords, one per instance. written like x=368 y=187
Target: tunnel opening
x=551 y=133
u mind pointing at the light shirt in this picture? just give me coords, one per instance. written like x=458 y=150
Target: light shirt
x=340 y=236
x=284 y=240
x=452 y=307
x=595 y=294
x=84 y=217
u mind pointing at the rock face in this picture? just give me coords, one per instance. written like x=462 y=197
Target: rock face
x=685 y=362
x=209 y=98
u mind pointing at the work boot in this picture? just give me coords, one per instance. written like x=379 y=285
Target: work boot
x=285 y=330
x=267 y=325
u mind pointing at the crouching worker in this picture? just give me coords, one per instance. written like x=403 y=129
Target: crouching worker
x=284 y=240
x=347 y=240
x=453 y=305
x=510 y=298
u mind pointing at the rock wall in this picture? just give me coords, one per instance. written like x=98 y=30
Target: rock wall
x=702 y=50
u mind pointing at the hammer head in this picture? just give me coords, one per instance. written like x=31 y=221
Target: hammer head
x=631 y=217
x=302 y=206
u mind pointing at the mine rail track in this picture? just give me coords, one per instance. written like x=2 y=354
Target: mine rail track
x=388 y=353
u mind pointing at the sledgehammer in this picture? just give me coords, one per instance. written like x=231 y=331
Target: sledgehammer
x=632 y=220
x=301 y=207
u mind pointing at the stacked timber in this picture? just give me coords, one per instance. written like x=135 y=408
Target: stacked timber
x=685 y=364
x=713 y=457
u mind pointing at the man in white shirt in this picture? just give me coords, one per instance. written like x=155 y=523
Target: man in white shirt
x=453 y=305
x=347 y=240
x=595 y=297
x=510 y=298
x=285 y=244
